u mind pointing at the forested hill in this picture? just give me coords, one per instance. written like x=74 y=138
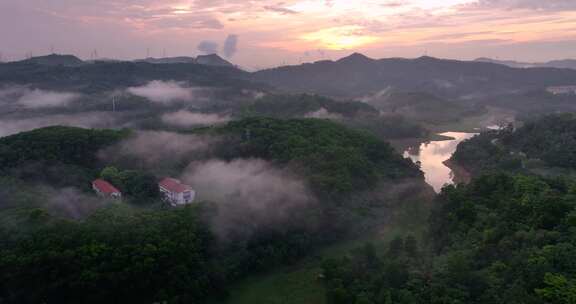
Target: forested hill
x=356 y=114
x=300 y=105
x=154 y=254
x=546 y=142
x=56 y=144
x=336 y=159
x=61 y=155
x=358 y=75
x=354 y=76
x=501 y=239
x=111 y=75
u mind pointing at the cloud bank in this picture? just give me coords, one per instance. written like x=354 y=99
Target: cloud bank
x=527 y=4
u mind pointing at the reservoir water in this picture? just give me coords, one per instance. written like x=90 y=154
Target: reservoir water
x=433 y=155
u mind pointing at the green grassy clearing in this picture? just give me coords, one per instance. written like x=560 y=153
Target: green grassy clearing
x=299 y=284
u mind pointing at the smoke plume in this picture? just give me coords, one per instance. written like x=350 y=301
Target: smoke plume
x=230 y=46
x=162 y=91
x=188 y=119
x=208 y=47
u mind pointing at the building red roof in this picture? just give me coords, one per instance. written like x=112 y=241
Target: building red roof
x=104 y=186
x=173 y=185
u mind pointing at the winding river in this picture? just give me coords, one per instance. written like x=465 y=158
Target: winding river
x=433 y=155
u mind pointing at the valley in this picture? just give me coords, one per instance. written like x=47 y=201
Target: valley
x=290 y=176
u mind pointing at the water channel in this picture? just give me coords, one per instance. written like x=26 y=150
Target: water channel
x=433 y=155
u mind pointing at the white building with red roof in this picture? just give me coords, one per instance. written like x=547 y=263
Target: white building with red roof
x=175 y=192
x=105 y=189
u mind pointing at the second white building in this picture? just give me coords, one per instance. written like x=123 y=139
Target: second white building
x=175 y=192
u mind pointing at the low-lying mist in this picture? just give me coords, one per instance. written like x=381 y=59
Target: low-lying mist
x=323 y=113
x=163 y=91
x=67 y=202
x=185 y=118
x=33 y=98
x=72 y=203
x=249 y=193
x=158 y=151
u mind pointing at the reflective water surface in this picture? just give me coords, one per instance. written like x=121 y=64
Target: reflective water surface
x=432 y=156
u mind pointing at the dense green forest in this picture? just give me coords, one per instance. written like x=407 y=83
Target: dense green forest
x=504 y=238
x=60 y=156
x=354 y=114
x=134 y=252
x=117 y=255
x=294 y=106
x=336 y=159
x=501 y=239
x=423 y=107
x=544 y=142
x=67 y=145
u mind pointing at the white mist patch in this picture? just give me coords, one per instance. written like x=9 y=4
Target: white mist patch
x=10 y=92
x=11 y=126
x=383 y=94
x=163 y=91
x=72 y=203
x=43 y=99
x=158 y=148
x=254 y=94
x=249 y=192
x=68 y=202
x=322 y=113
x=187 y=119
x=35 y=98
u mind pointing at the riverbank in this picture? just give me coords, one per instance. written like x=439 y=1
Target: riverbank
x=459 y=174
x=431 y=156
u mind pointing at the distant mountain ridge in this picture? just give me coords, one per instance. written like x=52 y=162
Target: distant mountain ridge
x=559 y=64
x=357 y=76
x=211 y=60
x=56 y=60
x=352 y=77
x=73 y=61
x=98 y=76
x=168 y=60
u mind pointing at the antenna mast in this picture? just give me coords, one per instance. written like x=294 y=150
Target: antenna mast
x=113 y=103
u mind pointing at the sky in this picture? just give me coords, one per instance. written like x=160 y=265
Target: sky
x=264 y=33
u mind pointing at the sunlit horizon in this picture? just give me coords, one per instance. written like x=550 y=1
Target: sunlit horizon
x=272 y=33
